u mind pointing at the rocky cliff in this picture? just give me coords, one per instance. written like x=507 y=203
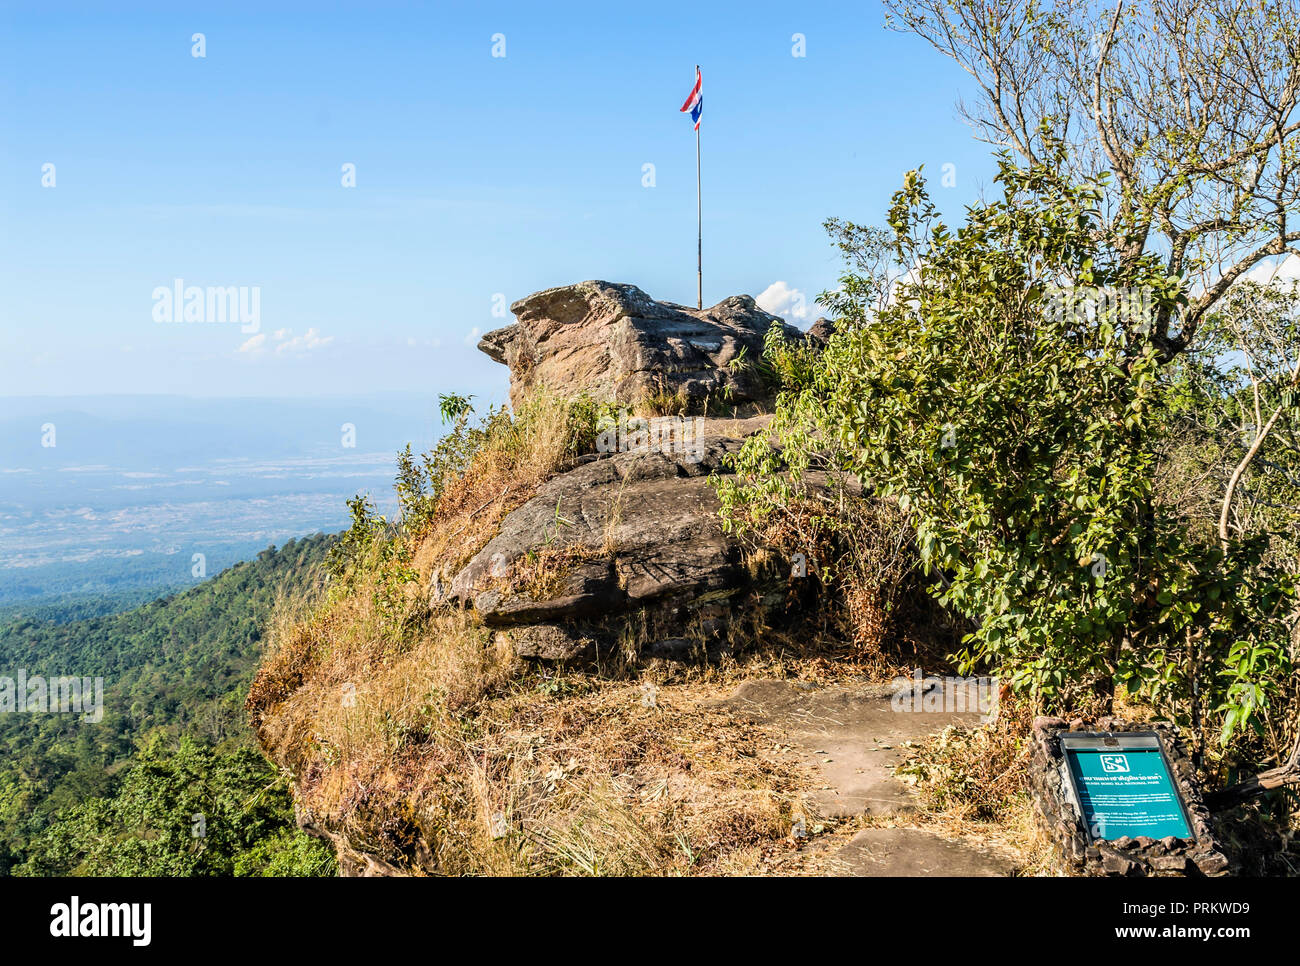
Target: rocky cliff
x=640 y=535
x=481 y=693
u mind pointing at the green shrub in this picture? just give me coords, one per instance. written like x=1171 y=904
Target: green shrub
x=1020 y=442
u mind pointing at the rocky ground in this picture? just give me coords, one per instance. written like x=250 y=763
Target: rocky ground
x=550 y=593
x=852 y=738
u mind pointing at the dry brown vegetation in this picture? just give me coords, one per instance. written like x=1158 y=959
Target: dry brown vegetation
x=860 y=557
x=452 y=757
x=517 y=456
x=972 y=785
x=445 y=754
x=415 y=737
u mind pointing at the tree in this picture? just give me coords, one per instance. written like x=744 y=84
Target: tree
x=1191 y=104
x=1004 y=397
x=1256 y=338
x=192 y=812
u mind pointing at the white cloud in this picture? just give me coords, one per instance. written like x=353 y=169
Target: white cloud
x=472 y=338
x=286 y=342
x=302 y=343
x=791 y=304
x=1284 y=273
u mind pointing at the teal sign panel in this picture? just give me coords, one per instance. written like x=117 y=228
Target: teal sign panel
x=1125 y=789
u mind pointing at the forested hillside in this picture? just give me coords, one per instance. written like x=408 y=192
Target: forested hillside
x=174 y=668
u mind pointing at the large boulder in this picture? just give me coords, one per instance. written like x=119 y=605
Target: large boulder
x=615 y=343
x=624 y=549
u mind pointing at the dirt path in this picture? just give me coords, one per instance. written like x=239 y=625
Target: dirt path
x=854 y=737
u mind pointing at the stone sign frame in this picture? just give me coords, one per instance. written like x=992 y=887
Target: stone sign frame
x=1087 y=740
x=1063 y=822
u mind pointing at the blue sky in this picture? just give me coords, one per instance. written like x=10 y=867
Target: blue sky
x=477 y=177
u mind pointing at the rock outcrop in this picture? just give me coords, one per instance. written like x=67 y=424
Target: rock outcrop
x=617 y=344
x=624 y=550
x=620 y=554
x=821 y=331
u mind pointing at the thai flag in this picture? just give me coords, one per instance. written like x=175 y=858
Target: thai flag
x=695 y=102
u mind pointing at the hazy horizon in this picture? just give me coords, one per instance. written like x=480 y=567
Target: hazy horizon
x=131 y=487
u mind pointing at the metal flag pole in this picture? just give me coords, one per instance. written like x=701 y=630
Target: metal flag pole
x=699 y=222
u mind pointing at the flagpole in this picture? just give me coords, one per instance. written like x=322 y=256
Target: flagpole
x=699 y=223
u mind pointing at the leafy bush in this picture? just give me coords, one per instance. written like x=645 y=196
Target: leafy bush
x=1020 y=442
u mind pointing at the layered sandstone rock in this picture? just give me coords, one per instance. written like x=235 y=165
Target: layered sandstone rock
x=626 y=548
x=616 y=344
x=624 y=538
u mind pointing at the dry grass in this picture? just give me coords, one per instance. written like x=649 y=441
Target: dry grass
x=970 y=773
x=505 y=473
x=416 y=739
x=608 y=782
x=662 y=403
x=437 y=752
x=860 y=559
x=342 y=684
x=451 y=757
x=413 y=737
